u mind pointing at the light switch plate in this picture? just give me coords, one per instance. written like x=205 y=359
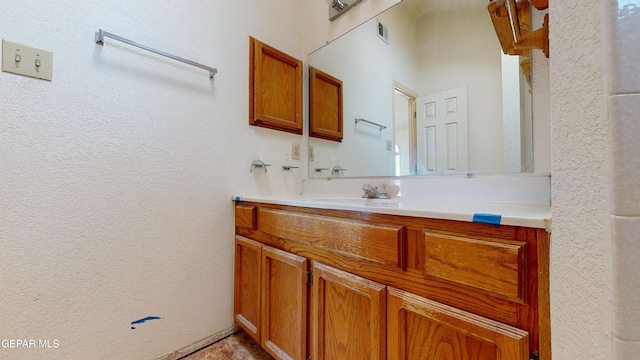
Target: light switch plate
x=26 y=60
x=312 y=156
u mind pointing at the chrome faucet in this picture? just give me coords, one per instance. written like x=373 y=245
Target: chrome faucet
x=338 y=169
x=371 y=192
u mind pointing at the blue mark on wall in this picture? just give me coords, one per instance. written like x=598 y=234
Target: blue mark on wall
x=140 y=321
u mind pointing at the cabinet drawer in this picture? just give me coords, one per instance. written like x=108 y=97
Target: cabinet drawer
x=497 y=267
x=380 y=244
x=246 y=216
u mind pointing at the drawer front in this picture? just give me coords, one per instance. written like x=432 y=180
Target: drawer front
x=246 y=216
x=380 y=244
x=495 y=267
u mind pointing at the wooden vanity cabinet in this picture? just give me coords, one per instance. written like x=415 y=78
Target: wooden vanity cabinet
x=358 y=285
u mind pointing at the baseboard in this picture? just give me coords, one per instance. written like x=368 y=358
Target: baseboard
x=190 y=349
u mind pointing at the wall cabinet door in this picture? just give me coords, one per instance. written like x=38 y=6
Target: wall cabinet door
x=419 y=328
x=348 y=316
x=275 y=89
x=284 y=304
x=325 y=106
x=246 y=291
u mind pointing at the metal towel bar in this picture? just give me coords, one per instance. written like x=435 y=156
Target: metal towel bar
x=372 y=123
x=101 y=34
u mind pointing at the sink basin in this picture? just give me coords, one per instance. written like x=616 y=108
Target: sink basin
x=357 y=201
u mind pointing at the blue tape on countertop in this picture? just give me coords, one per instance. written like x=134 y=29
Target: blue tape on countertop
x=493 y=219
x=239 y=200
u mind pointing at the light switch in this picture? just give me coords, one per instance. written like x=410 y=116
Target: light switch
x=26 y=60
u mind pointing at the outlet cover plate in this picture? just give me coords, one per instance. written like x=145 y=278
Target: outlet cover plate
x=295 y=151
x=21 y=59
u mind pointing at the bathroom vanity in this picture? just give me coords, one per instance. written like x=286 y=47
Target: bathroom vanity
x=391 y=279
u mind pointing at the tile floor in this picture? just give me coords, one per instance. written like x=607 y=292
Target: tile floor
x=238 y=346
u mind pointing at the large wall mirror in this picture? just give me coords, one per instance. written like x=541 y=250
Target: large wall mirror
x=435 y=91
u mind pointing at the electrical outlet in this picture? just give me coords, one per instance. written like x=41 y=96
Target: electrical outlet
x=295 y=151
x=25 y=60
x=389 y=145
x=312 y=156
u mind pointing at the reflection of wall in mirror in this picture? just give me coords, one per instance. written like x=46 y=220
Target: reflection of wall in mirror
x=460 y=49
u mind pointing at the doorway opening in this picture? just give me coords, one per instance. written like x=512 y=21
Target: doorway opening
x=404 y=129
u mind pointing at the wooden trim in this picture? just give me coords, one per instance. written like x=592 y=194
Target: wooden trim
x=544 y=303
x=200 y=344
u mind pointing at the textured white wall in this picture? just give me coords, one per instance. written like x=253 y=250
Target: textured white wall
x=116 y=178
x=581 y=307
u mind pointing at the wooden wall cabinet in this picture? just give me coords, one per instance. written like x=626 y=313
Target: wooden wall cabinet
x=275 y=88
x=388 y=286
x=325 y=106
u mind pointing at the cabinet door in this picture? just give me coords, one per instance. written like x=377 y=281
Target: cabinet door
x=419 y=328
x=325 y=106
x=284 y=304
x=275 y=89
x=246 y=293
x=348 y=316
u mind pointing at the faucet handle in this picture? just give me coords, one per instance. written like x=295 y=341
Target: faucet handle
x=369 y=191
x=383 y=193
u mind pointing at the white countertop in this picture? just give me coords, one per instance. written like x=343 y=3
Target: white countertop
x=506 y=213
